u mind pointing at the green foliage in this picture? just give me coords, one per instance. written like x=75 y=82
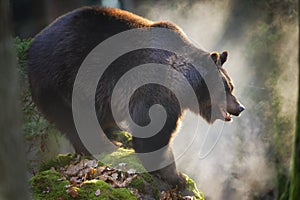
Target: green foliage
x=21 y=47
x=191 y=186
x=33 y=123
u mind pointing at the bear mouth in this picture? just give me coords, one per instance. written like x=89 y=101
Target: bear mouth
x=225 y=115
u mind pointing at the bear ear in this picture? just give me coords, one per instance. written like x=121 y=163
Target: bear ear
x=223 y=57
x=215 y=56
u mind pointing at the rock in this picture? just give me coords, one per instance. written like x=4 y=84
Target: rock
x=121 y=177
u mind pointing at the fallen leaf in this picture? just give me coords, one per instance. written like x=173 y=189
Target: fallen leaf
x=90 y=163
x=131 y=171
x=135 y=192
x=97 y=193
x=72 y=192
x=101 y=169
x=114 y=176
x=103 y=178
x=163 y=195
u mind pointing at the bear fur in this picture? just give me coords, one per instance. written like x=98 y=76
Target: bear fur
x=57 y=52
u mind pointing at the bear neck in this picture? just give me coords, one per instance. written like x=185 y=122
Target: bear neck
x=196 y=81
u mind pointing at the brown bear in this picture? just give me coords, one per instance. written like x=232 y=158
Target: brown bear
x=58 y=51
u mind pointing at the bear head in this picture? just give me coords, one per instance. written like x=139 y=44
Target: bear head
x=223 y=109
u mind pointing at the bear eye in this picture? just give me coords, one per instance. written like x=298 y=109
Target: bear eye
x=231 y=88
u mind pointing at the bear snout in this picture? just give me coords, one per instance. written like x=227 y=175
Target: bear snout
x=241 y=108
x=235 y=110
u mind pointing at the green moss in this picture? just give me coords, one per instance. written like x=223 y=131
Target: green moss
x=152 y=184
x=137 y=183
x=191 y=186
x=88 y=189
x=123 y=137
x=48 y=185
x=148 y=177
x=123 y=156
x=60 y=161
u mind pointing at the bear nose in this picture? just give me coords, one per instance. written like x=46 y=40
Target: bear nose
x=241 y=108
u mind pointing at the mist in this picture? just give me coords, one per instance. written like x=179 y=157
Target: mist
x=241 y=159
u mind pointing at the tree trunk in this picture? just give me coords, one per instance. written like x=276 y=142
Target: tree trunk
x=13 y=185
x=295 y=179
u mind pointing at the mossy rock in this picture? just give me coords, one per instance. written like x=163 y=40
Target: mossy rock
x=50 y=183
x=144 y=183
x=145 y=180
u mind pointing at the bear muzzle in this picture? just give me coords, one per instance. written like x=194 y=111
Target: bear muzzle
x=226 y=114
x=236 y=110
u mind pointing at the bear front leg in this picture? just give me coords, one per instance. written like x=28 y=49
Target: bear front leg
x=154 y=150
x=170 y=172
x=161 y=162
